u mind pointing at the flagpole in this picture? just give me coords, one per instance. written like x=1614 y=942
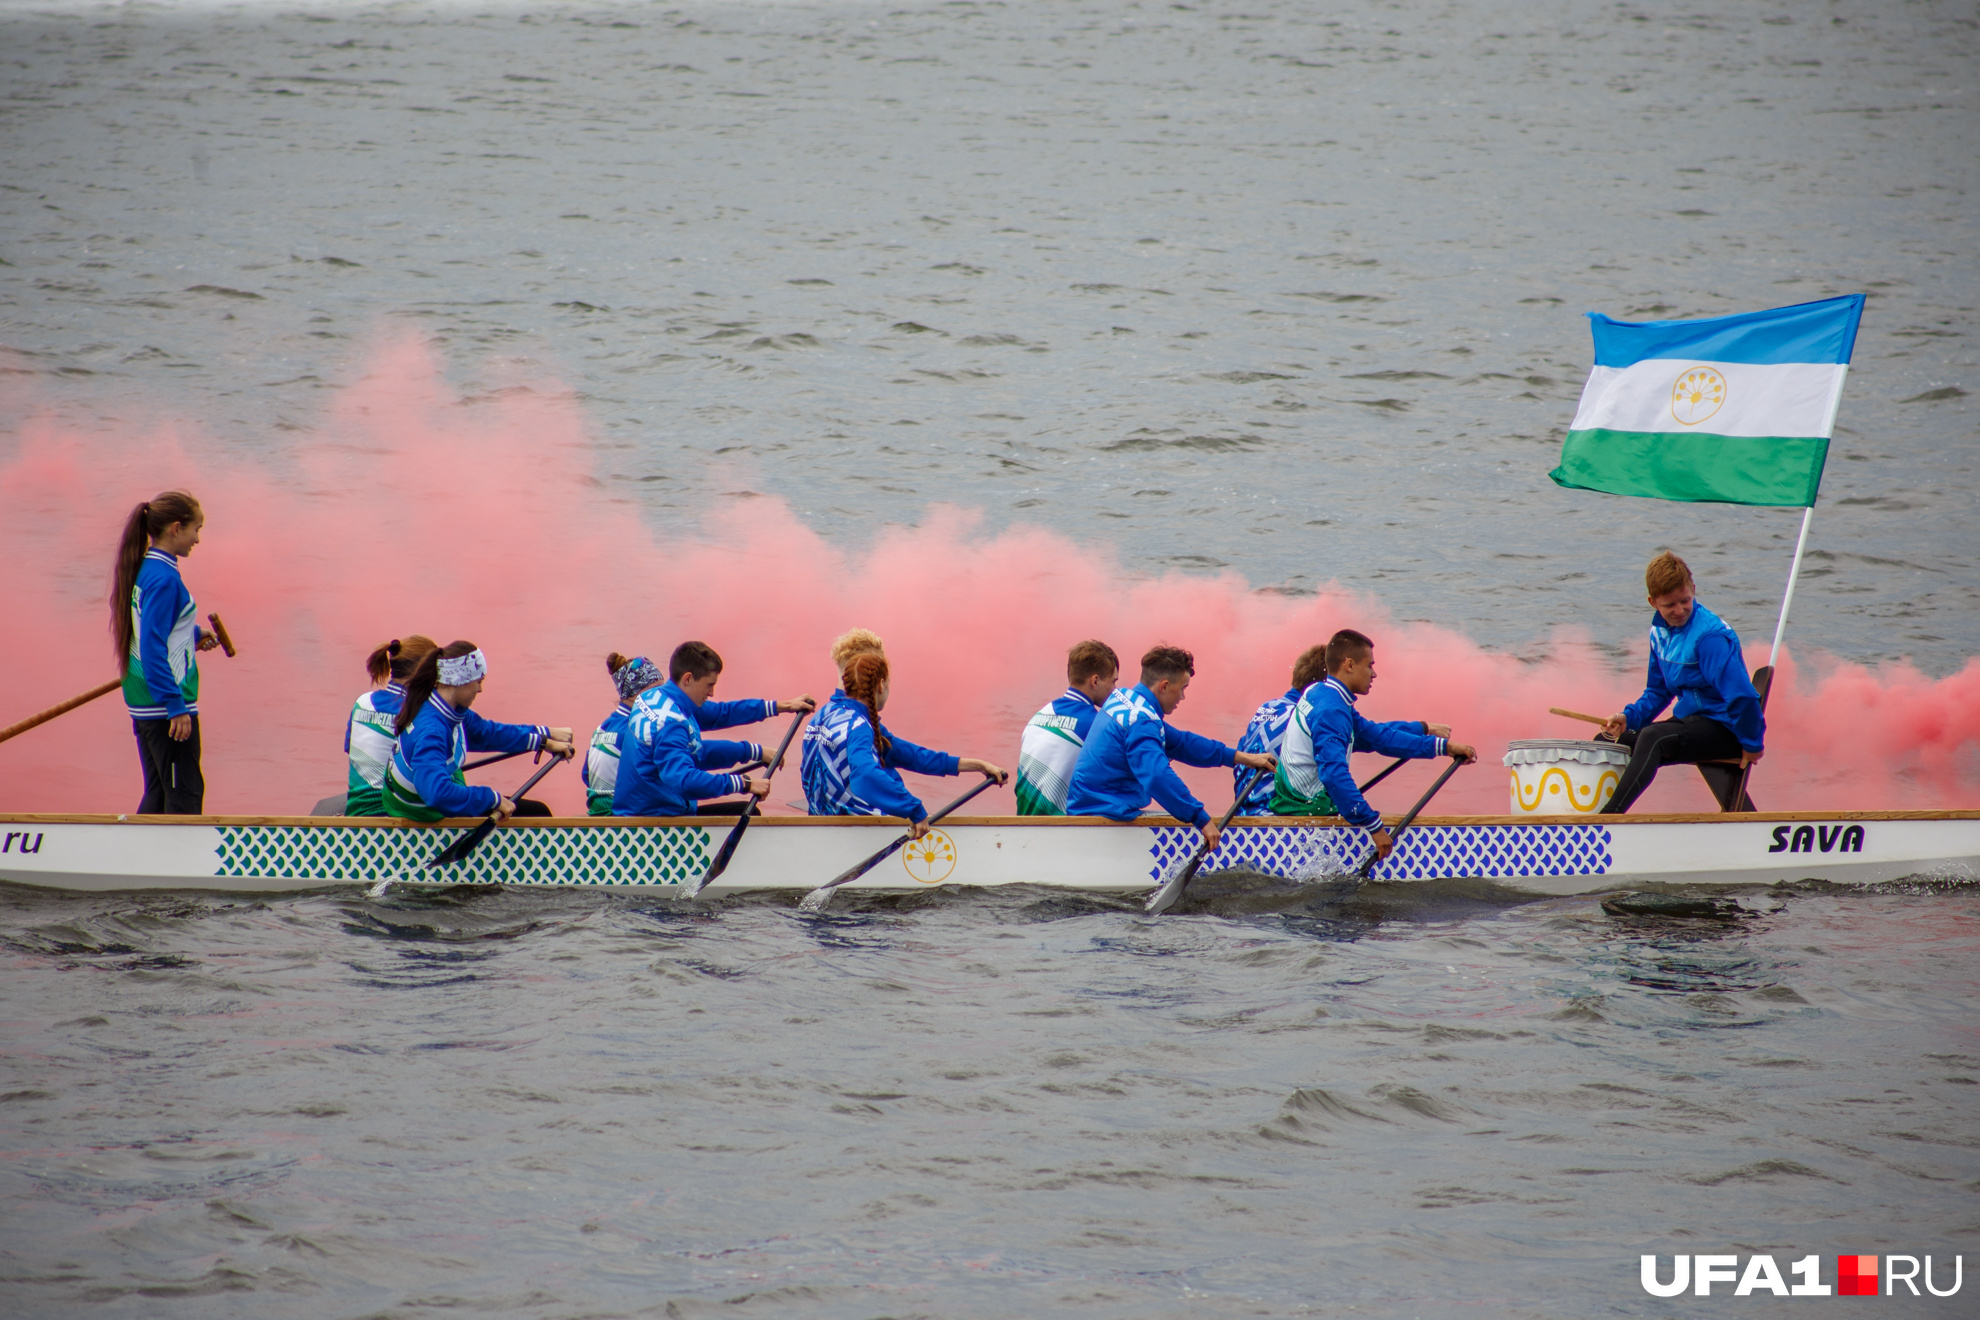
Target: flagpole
x=1807 y=516
x=1794 y=571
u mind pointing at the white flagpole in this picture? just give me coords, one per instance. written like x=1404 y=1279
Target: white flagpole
x=1807 y=515
x=1787 y=598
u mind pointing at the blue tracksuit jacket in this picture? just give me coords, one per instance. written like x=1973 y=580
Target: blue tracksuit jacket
x=1126 y=761
x=843 y=776
x=1264 y=734
x=1325 y=727
x=424 y=780
x=161 y=676
x=1700 y=664
x=663 y=760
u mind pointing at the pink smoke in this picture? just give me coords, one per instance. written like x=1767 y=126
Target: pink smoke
x=414 y=510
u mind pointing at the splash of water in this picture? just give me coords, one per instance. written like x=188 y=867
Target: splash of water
x=414 y=510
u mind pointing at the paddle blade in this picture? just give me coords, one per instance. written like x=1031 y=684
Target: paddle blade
x=722 y=856
x=851 y=874
x=1171 y=891
x=458 y=850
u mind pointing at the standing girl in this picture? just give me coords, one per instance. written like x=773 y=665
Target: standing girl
x=436 y=731
x=369 y=736
x=151 y=617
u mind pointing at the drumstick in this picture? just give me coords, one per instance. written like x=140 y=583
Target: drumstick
x=1577 y=715
x=220 y=631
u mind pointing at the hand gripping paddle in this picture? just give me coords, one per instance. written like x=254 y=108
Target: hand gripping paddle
x=458 y=850
x=1374 y=853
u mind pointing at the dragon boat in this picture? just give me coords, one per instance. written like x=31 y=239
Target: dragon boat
x=1551 y=855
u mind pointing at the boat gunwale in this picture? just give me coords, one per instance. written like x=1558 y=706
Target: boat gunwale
x=1059 y=822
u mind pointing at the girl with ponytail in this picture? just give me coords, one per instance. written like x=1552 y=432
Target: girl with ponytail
x=601 y=762
x=851 y=762
x=370 y=733
x=436 y=730
x=152 y=624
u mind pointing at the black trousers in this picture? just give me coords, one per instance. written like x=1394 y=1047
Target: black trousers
x=1687 y=741
x=531 y=807
x=173 y=785
x=720 y=808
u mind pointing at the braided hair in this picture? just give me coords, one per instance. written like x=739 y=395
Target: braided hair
x=865 y=674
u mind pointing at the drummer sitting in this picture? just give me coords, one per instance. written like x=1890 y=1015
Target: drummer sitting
x=1695 y=657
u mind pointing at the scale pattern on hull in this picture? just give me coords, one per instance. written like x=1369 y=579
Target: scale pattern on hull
x=661 y=855
x=1431 y=853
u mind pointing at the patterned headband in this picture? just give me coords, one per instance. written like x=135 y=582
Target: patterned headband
x=464 y=670
x=635 y=676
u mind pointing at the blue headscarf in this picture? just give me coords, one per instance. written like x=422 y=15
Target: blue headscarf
x=635 y=676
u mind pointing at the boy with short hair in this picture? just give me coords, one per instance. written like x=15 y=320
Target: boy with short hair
x=1313 y=777
x=663 y=760
x=1054 y=736
x=1695 y=656
x=1267 y=730
x=1126 y=757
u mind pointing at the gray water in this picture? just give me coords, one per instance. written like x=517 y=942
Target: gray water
x=1289 y=289
x=1416 y=1101
x=1294 y=289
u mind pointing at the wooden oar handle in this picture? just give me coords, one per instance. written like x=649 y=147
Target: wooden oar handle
x=1577 y=715
x=101 y=689
x=220 y=631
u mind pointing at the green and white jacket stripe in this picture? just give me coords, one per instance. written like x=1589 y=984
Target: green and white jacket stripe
x=601 y=771
x=372 y=740
x=1046 y=757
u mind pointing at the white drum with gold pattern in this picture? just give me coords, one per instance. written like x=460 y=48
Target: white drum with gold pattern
x=1563 y=776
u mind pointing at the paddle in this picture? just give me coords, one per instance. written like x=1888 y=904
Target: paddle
x=1392 y=767
x=1374 y=854
x=1171 y=891
x=846 y=877
x=13 y=730
x=458 y=850
x=728 y=848
x=489 y=760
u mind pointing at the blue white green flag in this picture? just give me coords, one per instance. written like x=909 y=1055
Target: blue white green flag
x=1726 y=409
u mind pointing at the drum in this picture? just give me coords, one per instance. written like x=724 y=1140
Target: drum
x=1563 y=776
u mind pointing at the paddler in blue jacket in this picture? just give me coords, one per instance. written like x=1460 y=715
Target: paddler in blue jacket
x=1267 y=730
x=436 y=730
x=1694 y=656
x=1313 y=778
x=666 y=766
x=1125 y=761
x=851 y=762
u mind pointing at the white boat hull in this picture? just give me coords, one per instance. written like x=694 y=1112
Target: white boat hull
x=1558 y=855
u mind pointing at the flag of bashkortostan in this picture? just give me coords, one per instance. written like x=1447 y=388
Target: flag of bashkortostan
x=1728 y=409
